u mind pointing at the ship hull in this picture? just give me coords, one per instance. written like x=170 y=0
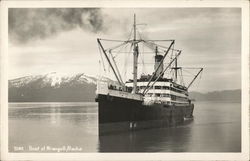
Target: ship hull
x=118 y=114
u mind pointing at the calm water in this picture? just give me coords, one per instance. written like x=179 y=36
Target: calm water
x=73 y=127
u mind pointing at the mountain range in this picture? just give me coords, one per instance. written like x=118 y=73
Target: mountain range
x=224 y=95
x=56 y=87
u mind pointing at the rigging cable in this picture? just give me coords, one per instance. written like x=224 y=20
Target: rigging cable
x=120 y=49
x=164 y=47
x=116 y=68
x=182 y=77
x=142 y=53
x=143 y=62
x=117 y=46
x=130 y=34
x=127 y=58
x=192 y=75
x=150 y=45
x=189 y=72
x=112 y=40
x=125 y=62
x=127 y=55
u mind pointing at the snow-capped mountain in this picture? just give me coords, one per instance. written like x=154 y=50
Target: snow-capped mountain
x=53 y=87
x=52 y=79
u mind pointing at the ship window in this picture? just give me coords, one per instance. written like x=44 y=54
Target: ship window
x=165 y=95
x=157 y=87
x=157 y=94
x=173 y=97
x=149 y=94
x=165 y=87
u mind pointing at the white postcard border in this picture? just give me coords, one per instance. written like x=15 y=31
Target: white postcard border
x=244 y=155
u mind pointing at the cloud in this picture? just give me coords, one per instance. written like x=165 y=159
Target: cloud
x=31 y=24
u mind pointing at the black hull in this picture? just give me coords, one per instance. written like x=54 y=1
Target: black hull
x=120 y=114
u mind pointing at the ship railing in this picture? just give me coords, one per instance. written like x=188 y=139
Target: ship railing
x=108 y=88
x=103 y=85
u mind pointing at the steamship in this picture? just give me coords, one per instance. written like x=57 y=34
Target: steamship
x=151 y=100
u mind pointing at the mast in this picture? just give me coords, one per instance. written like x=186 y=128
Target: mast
x=135 y=53
x=176 y=70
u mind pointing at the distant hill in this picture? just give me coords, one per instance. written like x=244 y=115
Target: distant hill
x=55 y=87
x=225 y=95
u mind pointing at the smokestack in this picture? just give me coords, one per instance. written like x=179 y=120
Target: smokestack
x=158 y=59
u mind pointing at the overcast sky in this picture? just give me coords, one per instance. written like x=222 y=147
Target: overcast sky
x=64 y=40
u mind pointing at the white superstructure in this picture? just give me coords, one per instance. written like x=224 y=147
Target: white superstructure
x=163 y=92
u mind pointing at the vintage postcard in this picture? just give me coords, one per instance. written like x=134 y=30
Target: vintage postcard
x=124 y=80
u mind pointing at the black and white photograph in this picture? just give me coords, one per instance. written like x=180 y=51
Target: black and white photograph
x=136 y=79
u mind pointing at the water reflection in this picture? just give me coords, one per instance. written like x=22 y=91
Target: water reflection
x=54 y=125
x=215 y=128
x=175 y=139
x=54 y=117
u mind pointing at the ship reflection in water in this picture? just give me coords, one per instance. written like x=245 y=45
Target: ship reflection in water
x=174 y=139
x=215 y=128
